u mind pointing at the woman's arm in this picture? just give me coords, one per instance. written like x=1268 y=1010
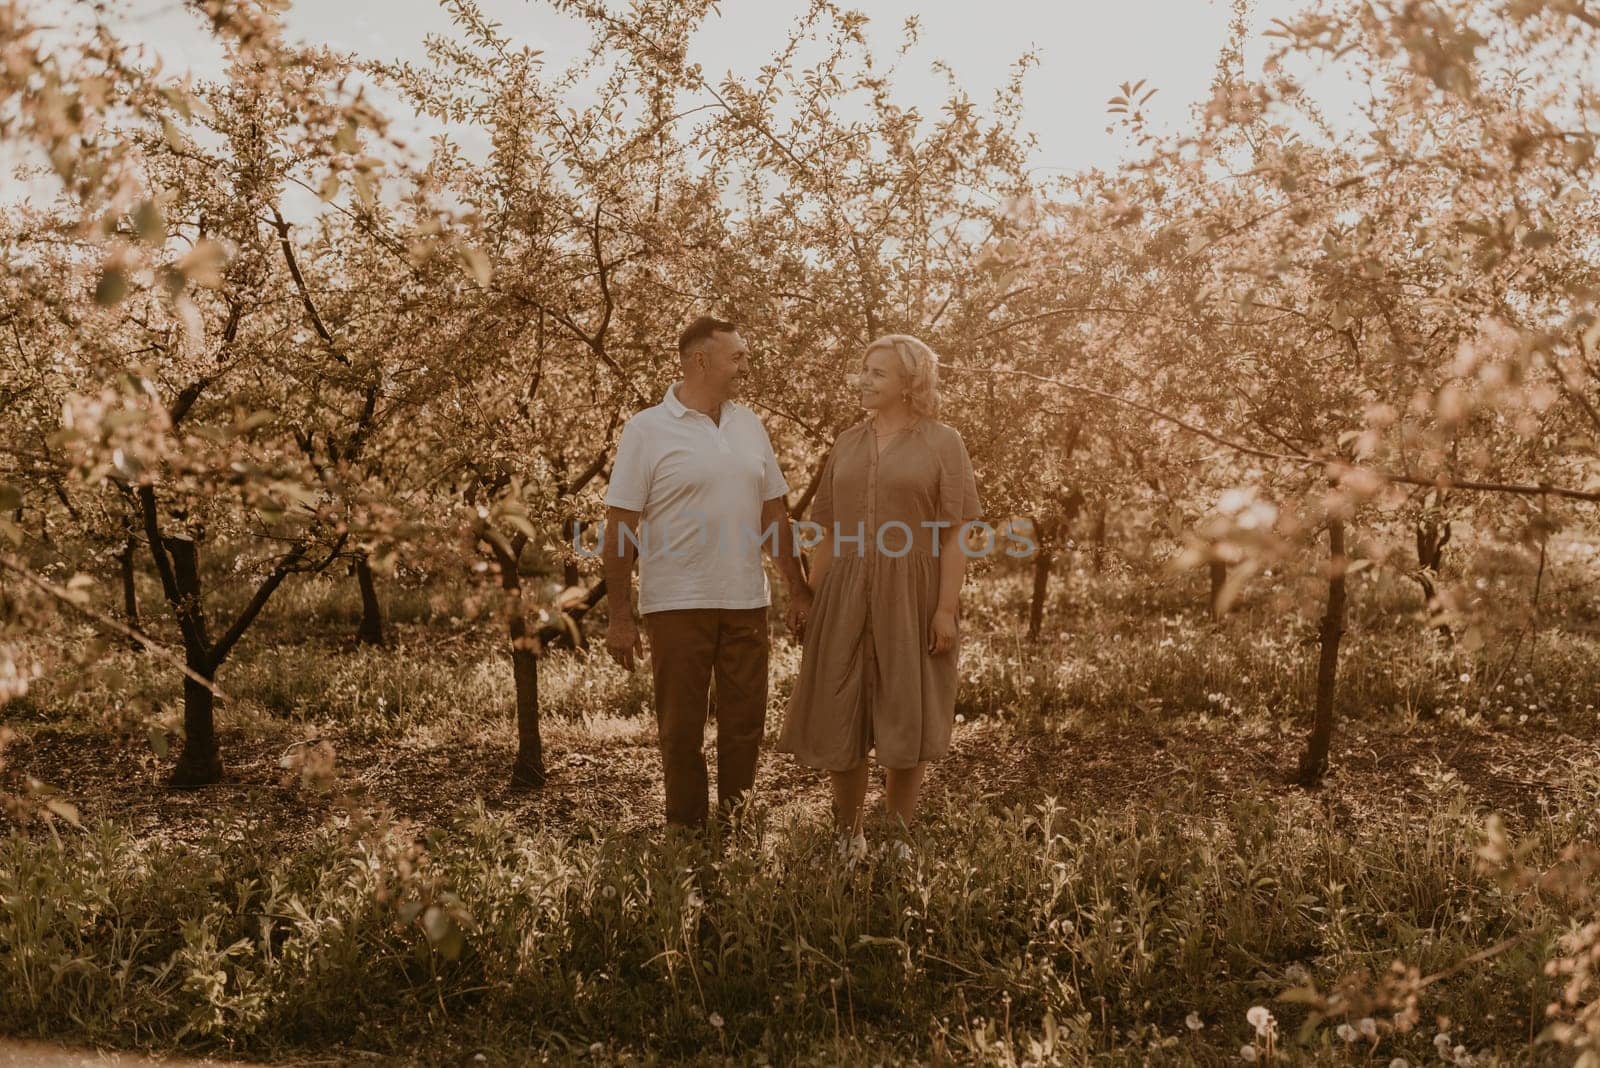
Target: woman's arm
x=821 y=560
x=952 y=572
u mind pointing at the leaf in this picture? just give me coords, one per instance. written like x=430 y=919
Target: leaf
x=158 y=741
x=519 y=523
x=11 y=498
x=112 y=287
x=345 y=140
x=11 y=532
x=256 y=420
x=478 y=264
x=202 y=264
x=148 y=220
x=174 y=136
x=1234 y=585
x=64 y=809
x=366 y=191
x=330 y=186
x=436 y=924
x=1302 y=995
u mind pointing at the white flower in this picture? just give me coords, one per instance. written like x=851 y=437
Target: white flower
x=1247 y=1054
x=1192 y=1021
x=1260 y=1019
x=715 y=1020
x=1368 y=1026
x=1461 y=1055
x=1348 y=1033
x=1441 y=1042
x=1399 y=1062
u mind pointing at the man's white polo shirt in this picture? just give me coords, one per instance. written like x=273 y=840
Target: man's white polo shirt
x=699 y=486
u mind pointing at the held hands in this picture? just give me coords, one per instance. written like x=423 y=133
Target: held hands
x=942 y=632
x=798 y=612
x=623 y=641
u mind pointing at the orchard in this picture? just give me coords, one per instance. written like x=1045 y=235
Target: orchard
x=1278 y=745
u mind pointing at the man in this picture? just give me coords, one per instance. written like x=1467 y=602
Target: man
x=695 y=493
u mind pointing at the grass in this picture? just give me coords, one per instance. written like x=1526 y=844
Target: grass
x=1109 y=857
x=1007 y=926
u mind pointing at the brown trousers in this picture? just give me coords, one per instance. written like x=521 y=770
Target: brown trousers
x=688 y=648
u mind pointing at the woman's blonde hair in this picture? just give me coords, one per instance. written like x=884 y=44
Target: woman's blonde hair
x=919 y=365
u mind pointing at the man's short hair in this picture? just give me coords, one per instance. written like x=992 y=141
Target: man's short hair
x=701 y=329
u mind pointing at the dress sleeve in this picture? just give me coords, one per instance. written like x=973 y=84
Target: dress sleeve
x=822 y=503
x=958 y=486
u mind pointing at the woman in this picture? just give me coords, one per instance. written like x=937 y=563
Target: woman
x=878 y=669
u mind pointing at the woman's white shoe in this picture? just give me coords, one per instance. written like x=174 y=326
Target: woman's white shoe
x=851 y=850
x=895 y=848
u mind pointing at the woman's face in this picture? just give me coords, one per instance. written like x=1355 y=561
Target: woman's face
x=881 y=383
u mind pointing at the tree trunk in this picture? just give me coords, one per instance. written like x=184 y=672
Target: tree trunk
x=177 y=560
x=570 y=576
x=200 y=763
x=1432 y=537
x=130 y=593
x=1219 y=579
x=371 y=631
x=1314 y=762
x=1043 y=560
x=527 y=773
x=1099 y=538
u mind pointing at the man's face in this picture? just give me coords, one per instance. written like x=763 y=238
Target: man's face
x=726 y=362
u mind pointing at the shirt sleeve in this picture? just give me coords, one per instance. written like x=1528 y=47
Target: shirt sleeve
x=772 y=480
x=629 y=487
x=958 y=485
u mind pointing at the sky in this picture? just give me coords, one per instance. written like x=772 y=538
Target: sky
x=1085 y=50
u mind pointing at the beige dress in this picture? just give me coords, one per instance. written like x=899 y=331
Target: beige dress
x=866 y=677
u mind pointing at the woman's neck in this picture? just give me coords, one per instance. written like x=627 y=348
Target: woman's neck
x=890 y=420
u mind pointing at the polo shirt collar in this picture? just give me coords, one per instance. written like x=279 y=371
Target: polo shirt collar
x=677 y=408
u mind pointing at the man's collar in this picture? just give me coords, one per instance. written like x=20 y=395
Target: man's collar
x=673 y=404
x=678 y=408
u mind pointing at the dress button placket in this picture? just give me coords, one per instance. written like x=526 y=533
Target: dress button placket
x=872 y=514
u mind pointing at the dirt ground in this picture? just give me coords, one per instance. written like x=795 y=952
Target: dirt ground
x=613 y=783
x=18 y=1054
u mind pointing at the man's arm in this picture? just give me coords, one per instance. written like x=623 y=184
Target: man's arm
x=618 y=550
x=782 y=549
x=785 y=553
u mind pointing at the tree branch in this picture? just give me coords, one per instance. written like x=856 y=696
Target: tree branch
x=1442 y=482
x=44 y=585
x=300 y=284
